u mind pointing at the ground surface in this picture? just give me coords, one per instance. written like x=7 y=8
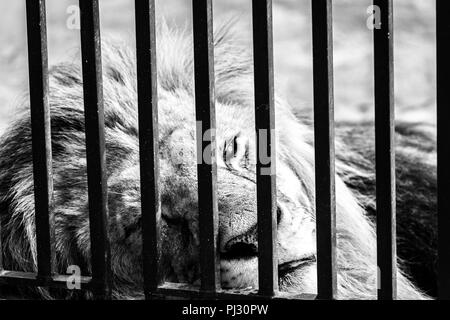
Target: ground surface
x=414 y=40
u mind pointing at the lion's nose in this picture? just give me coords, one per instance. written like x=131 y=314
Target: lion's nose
x=244 y=245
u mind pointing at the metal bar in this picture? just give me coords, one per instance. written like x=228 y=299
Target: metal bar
x=385 y=152
x=322 y=21
x=443 y=146
x=206 y=143
x=17 y=278
x=1 y=248
x=148 y=140
x=191 y=292
x=41 y=133
x=266 y=190
x=95 y=146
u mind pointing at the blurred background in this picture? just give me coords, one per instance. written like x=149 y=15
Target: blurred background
x=414 y=49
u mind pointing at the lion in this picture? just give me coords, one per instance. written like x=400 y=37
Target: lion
x=237 y=241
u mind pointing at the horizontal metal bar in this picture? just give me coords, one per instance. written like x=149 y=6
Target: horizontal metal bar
x=443 y=145
x=193 y=292
x=206 y=143
x=266 y=189
x=167 y=289
x=95 y=146
x=41 y=135
x=385 y=151
x=33 y=280
x=322 y=21
x=148 y=140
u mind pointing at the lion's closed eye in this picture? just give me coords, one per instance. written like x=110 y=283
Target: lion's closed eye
x=235 y=152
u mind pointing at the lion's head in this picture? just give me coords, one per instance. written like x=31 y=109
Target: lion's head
x=178 y=180
x=236 y=198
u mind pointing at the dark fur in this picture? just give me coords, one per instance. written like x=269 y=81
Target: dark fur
x=415 y=188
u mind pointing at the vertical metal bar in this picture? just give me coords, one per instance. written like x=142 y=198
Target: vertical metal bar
x=443 y=145
x=206 y=144
x=148 y=140
x=1 y=248
x=95 y=146
x=385 y=152
x=266 y=189
x=322 y=21
x=41 y=133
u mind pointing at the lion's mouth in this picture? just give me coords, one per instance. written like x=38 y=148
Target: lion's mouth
x=286 y=268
